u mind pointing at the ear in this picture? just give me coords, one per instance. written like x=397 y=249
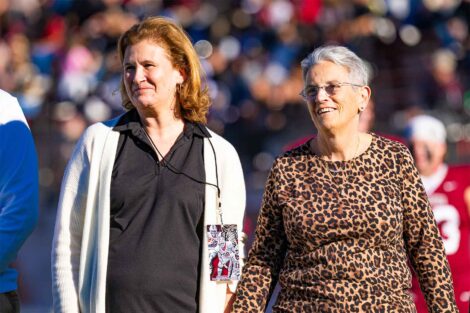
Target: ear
x=181 y=76
x=365 y=97
x=466 y=196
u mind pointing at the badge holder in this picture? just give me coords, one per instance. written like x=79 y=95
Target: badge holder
x=224 y=256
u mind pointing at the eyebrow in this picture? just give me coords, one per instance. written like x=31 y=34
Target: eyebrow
x=327 y=83
x=141 y=62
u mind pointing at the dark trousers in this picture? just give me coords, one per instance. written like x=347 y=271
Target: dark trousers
x=9 y=302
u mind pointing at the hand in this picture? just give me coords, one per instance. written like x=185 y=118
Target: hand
x=229 y=299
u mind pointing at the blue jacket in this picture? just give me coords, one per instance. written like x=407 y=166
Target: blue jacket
x=18 y=187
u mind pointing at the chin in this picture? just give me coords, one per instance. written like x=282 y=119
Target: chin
x=143 y=102
x=328 y=125
x=424 y=169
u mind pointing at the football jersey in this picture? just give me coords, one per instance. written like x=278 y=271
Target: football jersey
x=451 y=211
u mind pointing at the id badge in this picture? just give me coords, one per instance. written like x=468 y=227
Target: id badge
x=224 y=257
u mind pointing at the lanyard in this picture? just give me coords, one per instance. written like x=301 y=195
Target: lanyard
x=176 y=170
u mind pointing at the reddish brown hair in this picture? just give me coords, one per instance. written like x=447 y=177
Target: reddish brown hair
x=193 y=99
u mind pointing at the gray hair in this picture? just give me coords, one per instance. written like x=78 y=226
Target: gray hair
x=358 y=69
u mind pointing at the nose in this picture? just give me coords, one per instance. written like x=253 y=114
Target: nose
x=321 y=94
x=418 y=150
x=139 y=75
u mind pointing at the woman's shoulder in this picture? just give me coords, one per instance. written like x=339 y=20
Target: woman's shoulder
x=217 y=140
x=389 y=142
x=99 y=129
x=297 y=156
x=389 y=150
x=297 y=151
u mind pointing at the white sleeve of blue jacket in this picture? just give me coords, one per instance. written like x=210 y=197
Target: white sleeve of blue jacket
x=18 y=180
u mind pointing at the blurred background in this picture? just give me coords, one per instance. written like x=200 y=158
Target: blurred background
x=58 y=58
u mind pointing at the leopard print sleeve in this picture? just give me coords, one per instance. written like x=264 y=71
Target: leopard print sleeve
x=261 y=272
x=422 y=240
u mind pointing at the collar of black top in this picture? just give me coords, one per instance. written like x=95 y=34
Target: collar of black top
x=130 y=121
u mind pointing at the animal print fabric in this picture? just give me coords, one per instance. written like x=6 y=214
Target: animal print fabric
x=339 y=241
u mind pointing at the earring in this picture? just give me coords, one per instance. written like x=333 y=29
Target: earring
x=178 y=92
x=361 y=109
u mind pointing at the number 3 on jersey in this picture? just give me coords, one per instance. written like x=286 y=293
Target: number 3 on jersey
x=448 y=221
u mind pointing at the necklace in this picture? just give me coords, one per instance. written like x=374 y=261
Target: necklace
x=333 y=172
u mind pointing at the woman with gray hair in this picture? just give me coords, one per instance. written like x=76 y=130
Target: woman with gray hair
x=342 y=213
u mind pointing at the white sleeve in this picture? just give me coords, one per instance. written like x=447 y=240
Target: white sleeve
x=66 y=245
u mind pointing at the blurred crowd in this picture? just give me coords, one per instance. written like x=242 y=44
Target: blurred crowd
x=58 y=58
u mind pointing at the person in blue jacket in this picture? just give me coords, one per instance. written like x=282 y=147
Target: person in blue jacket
x=18 y=194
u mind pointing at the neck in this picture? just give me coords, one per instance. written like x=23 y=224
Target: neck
x=433 y=171
x=162 y=130
x=161 y=125
x=338 y=147
x=433 y=181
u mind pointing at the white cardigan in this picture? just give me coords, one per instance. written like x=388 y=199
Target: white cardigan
x=81 y=237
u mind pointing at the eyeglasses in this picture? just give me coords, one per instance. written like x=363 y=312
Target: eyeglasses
x=310 y=93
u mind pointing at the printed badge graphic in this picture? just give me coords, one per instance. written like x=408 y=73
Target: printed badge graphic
x=223 y=252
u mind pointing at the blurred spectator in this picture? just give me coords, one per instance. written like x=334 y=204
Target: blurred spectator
x=448 y=188
x=443 y=89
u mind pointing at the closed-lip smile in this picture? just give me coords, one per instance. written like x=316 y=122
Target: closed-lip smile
x=137 y=89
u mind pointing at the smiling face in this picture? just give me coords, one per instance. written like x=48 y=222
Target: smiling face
x=149 y=77
x=338 y=110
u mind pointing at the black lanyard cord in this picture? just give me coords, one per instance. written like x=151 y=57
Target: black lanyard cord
x=178 y=171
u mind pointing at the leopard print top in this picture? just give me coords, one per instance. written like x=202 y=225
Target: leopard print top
x=338 y=240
